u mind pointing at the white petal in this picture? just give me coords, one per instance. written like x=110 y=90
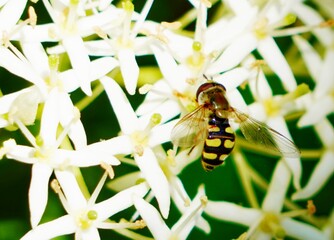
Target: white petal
x=90 y=234
x=168 y=110
x=86 y=157
x=276 y=193
x=321 y=174
x=233 y=78
x=71 y=189
x=169 y=69
x=127 y=118
x=38 y=191
x=155 y=97
x=129 y=69
x=148 y=164
x=119 y=202
x=234 y=54
x=161 y=133
x=232 y=212
x=77 y=132
x=311 y=57
x=277 y=62
x=14 y=65
x=79 y=61
x=58 y=227
x=50 y=119
x=152 y=218
x=10 y=14
x=37 y=56
x=300 y=230
x=317 y=111
x=125 y=181
x=22 y=153
x=325 y=132
x=117 y=145
x=326 y=79
x=189 y=218
x=312 y=17
x=294 y=164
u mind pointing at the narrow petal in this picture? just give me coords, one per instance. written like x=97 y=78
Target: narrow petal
x=232 y=212
x=279 y=184
x=148 y=164
x=169 y=68
x=90 y=234
x=317 y=111
x=233 y=78
x=38 y=191
x=321 y=174
x=152 y=218
x=79 y=61
x=10 y=14
x=161 y=133
x=71 y=189
x=125 y=181
x=234 y=54
x=129 y=69
x=119 y=202
x=14 y=65
x=311 y=57
x=23 y=154
x=299 y=230
x=326 y=80
x=50 y=119
x=127 y=118
x=294 y=164
x=67 y=113
x=277 y=62
x=58 y=227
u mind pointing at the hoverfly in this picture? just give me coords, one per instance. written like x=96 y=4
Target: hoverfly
x=209 y=124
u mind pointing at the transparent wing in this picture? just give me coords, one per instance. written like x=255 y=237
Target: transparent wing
x=191 y=129
x=259 y=133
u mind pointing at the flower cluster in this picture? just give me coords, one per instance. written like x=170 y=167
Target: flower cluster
x=73 y=61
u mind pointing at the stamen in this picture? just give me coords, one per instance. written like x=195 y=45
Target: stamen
x=97 y=189
x=61 y=137
x=57 y=189
x=139 y=224
x=108 y=169
x=145 y=88
x=271 y=224
x=26 y=133
x=171 y=25
x=32 y=16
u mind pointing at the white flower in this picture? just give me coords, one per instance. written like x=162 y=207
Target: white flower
x=139 y=136
x=46 y=156
x=172 y=166
x=324 y=169
x=181 y=228
x=120 y=40
x=253 y=28
x=69 y=27
x=85 y=217
x=267 y=222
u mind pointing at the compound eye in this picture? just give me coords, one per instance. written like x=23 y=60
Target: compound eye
x=208 y=85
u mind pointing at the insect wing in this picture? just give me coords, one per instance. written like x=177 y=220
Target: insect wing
x=259 y=133
x=191 y=129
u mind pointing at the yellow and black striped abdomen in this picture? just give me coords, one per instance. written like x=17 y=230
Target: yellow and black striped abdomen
x=219 y=143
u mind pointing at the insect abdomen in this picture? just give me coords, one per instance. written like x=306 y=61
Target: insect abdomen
x=219 y=143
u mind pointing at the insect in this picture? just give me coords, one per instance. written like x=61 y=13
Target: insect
x=209 y=124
